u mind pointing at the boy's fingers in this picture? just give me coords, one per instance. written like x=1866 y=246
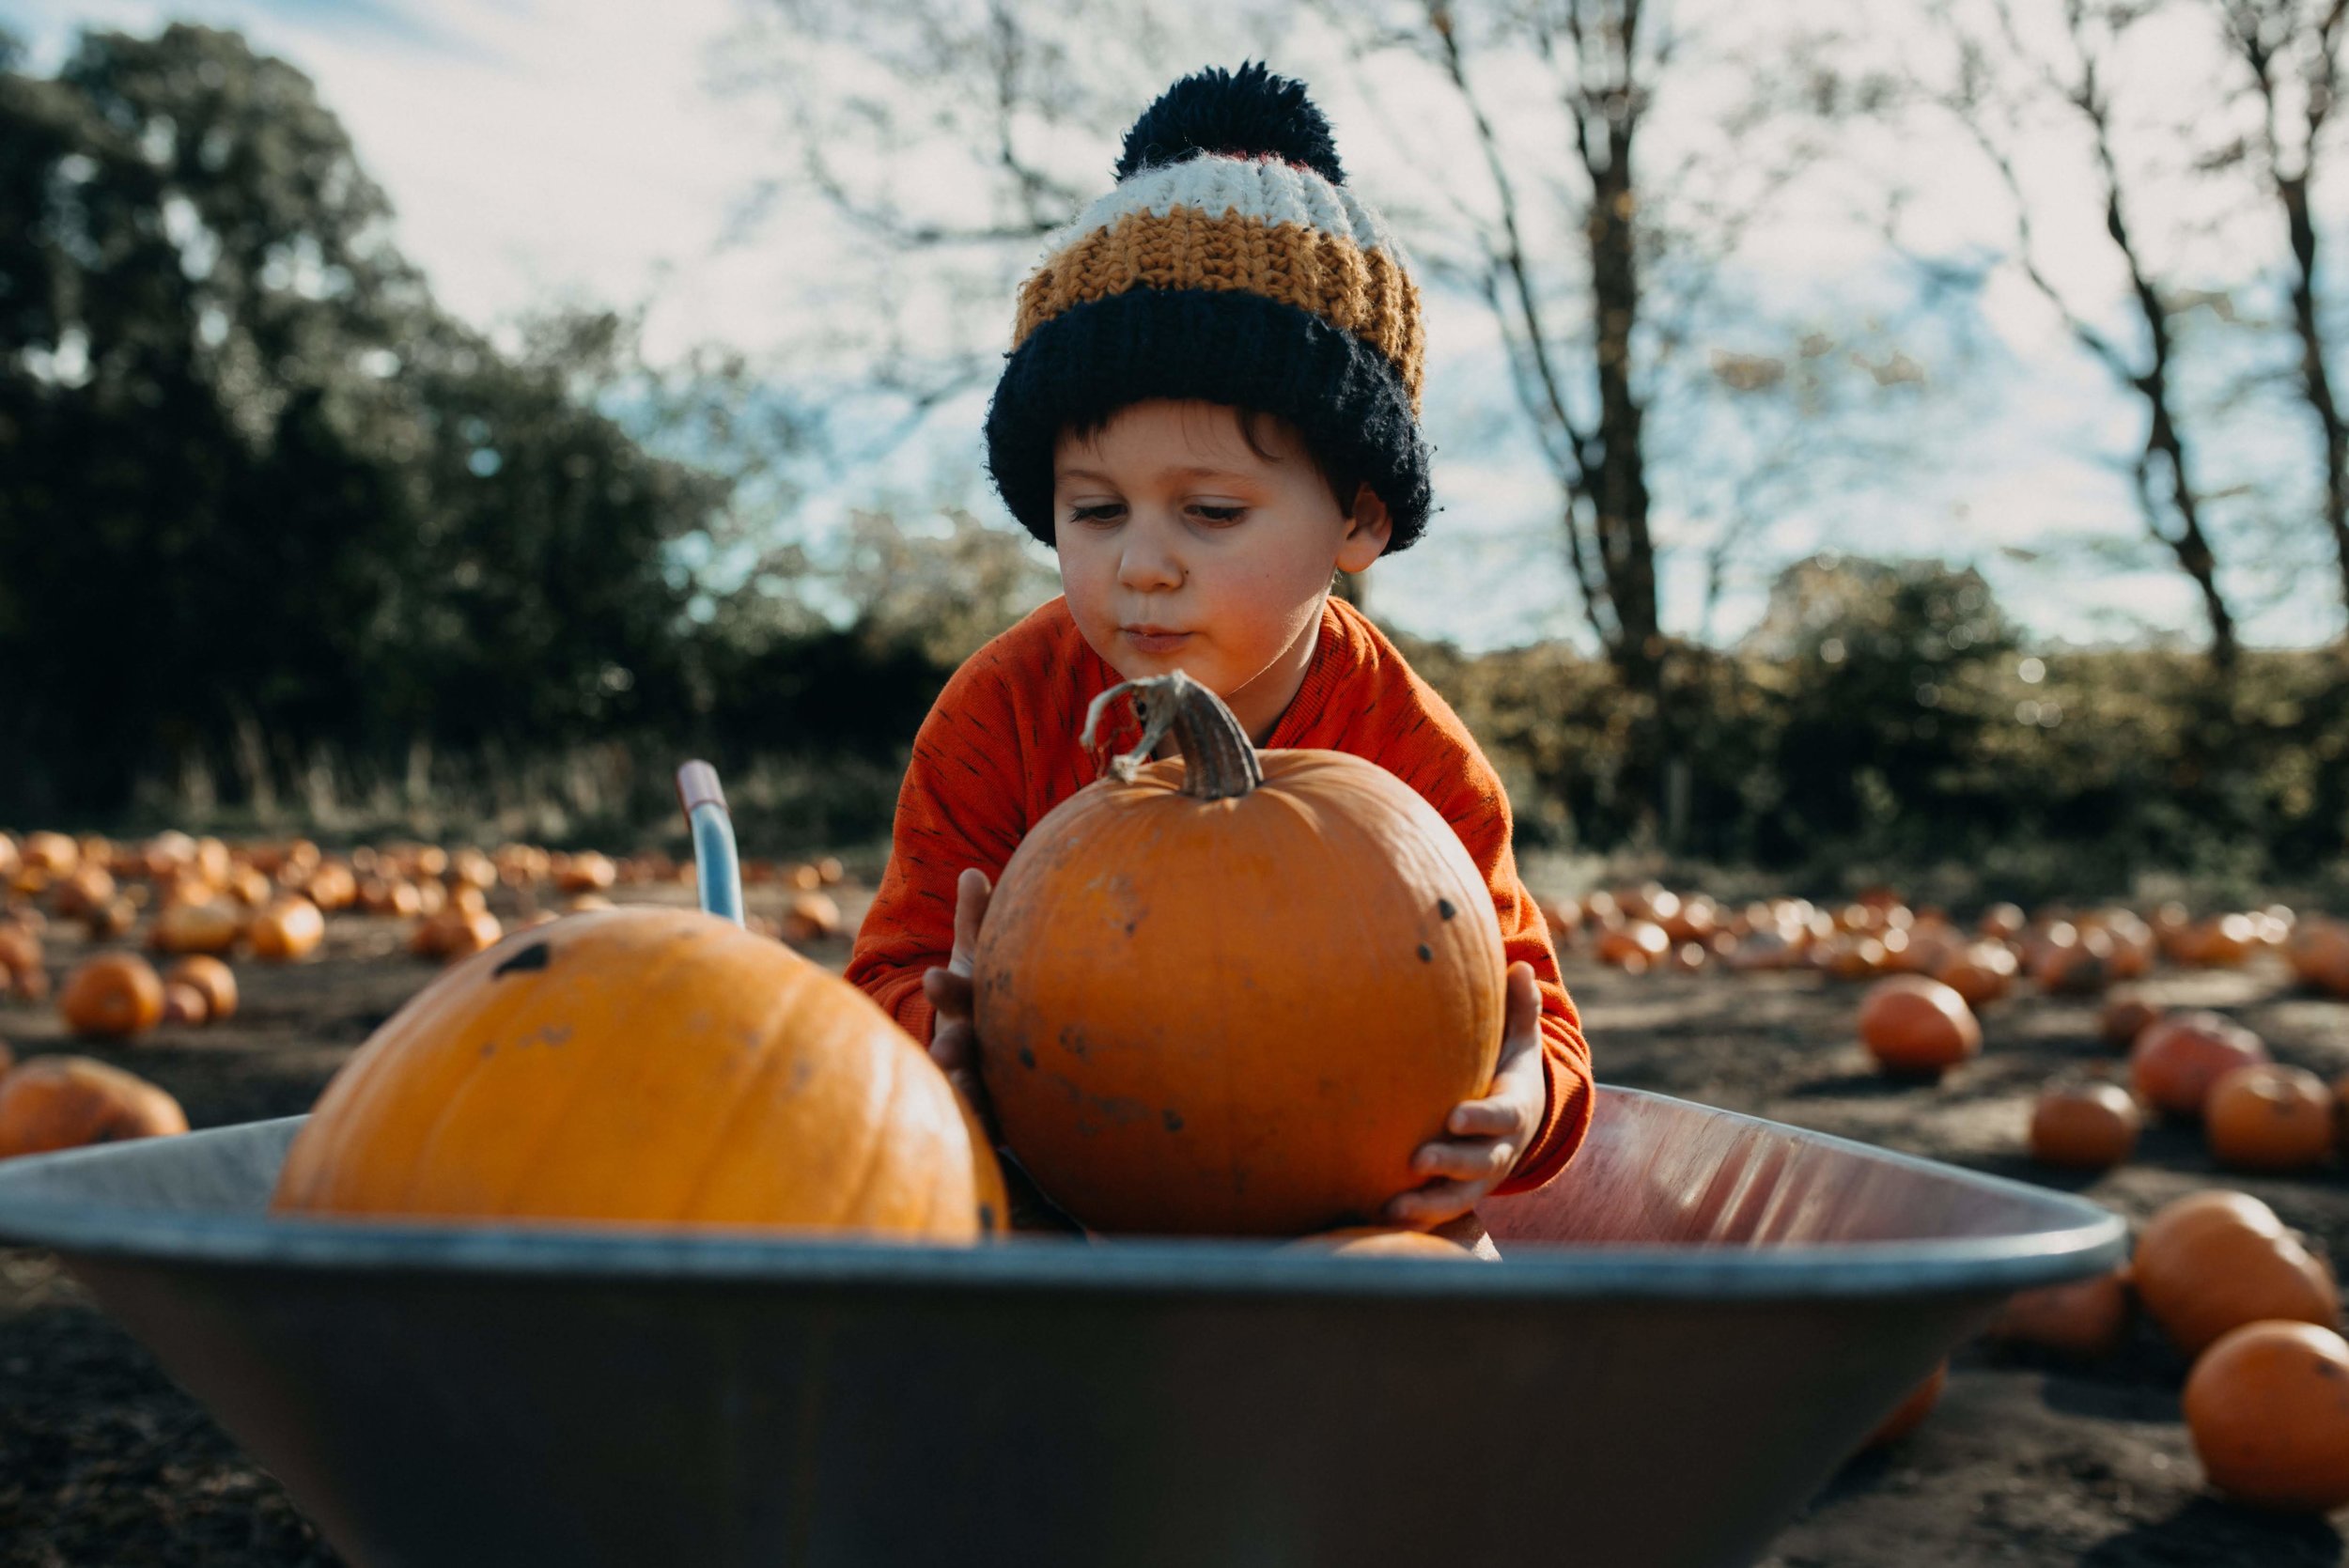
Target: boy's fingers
x=1434 y=1204
x=1521 y=1025
x=949 y=994
x=971 y=892
x=1482 y=1160
x=1482 y=1119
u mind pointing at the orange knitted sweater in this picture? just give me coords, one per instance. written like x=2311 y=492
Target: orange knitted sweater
x=1000 y=749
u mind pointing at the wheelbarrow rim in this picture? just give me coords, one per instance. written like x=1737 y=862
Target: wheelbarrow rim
x=2079 y=1239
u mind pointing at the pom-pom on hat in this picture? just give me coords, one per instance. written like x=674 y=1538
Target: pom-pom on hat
x=1229 y=264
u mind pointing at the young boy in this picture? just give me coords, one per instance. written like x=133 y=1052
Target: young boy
x=1211 y=406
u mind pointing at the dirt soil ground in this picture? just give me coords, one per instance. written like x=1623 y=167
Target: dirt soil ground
x=2027 y=1460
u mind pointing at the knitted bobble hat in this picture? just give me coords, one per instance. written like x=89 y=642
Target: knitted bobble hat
x=1229 y=264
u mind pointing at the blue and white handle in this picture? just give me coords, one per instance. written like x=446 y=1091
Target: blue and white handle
x=718 y=870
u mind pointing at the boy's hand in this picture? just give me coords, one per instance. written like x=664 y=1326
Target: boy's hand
x=954 y=1038
x=1489 y=1135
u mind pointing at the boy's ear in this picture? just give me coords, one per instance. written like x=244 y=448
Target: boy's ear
x=1368 y=529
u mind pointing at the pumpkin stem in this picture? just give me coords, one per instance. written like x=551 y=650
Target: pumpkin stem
x=1218 y=763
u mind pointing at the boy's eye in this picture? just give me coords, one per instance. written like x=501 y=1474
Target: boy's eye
x=1221 y=514
x=1102 y=512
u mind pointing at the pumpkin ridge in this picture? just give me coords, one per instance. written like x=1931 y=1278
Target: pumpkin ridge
x=659 y=970
x=746 y=1096
x=507 y=1002
x=873 y=1158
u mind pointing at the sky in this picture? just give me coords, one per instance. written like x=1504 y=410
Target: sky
x=538 y=151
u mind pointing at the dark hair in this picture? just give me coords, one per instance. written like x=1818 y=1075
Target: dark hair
x=1344 y=484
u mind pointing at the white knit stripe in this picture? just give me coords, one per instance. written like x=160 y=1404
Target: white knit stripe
x=1269 y=190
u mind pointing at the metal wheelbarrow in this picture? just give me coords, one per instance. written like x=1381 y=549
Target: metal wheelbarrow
x=1695 y=1324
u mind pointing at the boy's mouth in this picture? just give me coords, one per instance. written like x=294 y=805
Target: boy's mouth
x=1154 y=639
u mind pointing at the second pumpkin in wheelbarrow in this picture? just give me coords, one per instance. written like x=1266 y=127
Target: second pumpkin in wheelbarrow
x=645 y=1065
x=1233 y=994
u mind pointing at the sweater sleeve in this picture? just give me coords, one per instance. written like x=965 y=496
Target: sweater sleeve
x=959 y=806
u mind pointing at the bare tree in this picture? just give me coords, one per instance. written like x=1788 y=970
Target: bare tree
x=1601 y=261
x=2291 y=49
x=2002 y=83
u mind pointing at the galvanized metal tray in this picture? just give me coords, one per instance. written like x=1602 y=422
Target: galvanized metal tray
x=1695 y=1324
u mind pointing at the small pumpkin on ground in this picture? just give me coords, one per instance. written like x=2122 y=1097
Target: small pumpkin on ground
x=112 y=994
x=1637 y=946
x=1911 y=1412
x=2318 y=950
x=2266 y=1116
x=1911 y=1024
x=2179 y=1056
x=2073 y=962
x=1165 y=1048
x=64 y=1102
x=208 y=976
x=2124 y=1018
x=455 y=933
x=184 y=1005
x=1982 y=972
x=2268 y=1410
x=810 y=917
x=208 y=926
x=580 y=1071
x=290 y=927
x=2213 y=1260
x=590 y=871
x=2085 y=1126
x=19 y=948
x=2085 y=1317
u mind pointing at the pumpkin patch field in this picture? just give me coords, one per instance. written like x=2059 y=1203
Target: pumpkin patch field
x=2136 y=1057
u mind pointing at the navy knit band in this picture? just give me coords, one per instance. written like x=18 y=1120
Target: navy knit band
x=1221 y=347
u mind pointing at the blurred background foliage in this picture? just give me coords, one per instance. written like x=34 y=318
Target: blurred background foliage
x=280 y=539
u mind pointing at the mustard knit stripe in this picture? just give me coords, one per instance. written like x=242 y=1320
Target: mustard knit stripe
x=1361 y=291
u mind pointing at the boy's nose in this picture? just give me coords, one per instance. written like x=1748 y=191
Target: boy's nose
x=1144 y=567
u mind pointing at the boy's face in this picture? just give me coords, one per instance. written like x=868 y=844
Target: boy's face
x=1181 y=548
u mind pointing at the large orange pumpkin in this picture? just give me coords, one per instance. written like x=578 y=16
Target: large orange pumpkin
x=2180 y=1055
x=2214 y=1261
x=2266 y=1116
x=2268 y=1409
x=1233 y=994
x=1911 y=1024
x=63 y=1102
x=652 y=1065
x=112 y=993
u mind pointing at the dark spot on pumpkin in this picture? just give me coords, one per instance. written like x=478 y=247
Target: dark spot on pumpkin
x=1443 y=907
x=1426 y=953
x=987 y=1216
x=528 y=961
x=1027 y=1057
x=1174 y=1122
x=1130 y=927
